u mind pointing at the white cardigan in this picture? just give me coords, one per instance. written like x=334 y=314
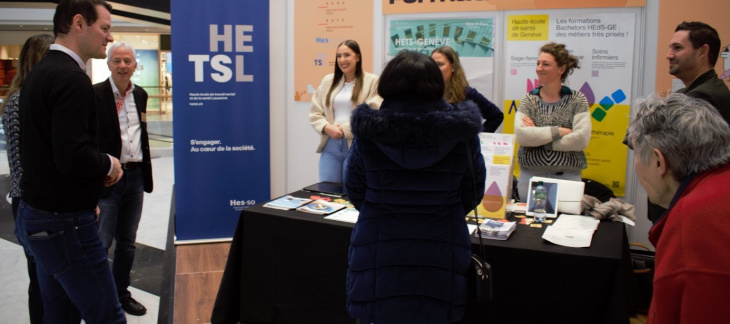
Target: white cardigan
x=322 y=114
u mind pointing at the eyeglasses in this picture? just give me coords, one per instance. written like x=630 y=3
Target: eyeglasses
x=626 y=141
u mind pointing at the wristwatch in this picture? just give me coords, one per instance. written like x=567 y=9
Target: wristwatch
x=323 y=128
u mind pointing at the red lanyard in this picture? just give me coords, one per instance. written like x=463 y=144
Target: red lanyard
x=120 y=101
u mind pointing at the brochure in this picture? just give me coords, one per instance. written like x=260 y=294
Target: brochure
x=497 y=230
x=321 y=207
x=348 y=215
x=286 y=202
x=572 y=230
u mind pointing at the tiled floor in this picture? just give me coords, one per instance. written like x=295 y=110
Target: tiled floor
x=151 y=239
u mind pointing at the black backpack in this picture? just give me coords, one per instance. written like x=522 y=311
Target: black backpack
x=598 y=190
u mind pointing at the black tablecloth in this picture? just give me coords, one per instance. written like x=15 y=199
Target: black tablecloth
x=290 y=267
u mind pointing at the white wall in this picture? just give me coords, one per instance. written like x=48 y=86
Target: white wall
x=635 y=194
x=278 y=63
x=301 y=163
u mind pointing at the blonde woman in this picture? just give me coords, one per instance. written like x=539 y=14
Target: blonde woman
x=457 y=89
x=32 y=52
x=332 y=104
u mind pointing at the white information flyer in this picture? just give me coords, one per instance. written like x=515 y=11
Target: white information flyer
x=572 y=230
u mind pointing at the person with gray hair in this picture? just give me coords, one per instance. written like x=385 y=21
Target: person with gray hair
x=682 y=159
x=122 y=108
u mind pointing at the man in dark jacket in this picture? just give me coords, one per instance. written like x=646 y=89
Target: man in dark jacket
x=64 y=171
x=693 y=52
x=122 y=108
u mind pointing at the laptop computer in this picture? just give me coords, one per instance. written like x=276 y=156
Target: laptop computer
x=328 y=188
x=570 y=194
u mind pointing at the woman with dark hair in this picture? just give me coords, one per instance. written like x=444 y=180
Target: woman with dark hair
x=457 y=89
x=409 y=176
x=553 y=123
x=332 y=104
x=33 y=50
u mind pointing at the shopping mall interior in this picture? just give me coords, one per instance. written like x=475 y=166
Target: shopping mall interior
x=146 y=26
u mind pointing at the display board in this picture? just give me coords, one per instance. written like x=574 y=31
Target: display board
x=221 y=124
x=472 y=37
x=602 y=41
x=426 y=6
x=321 y=25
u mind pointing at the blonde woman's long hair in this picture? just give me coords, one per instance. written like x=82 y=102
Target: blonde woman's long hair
x=32 y=52
x=454 y=90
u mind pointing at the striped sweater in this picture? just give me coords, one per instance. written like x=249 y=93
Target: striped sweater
x=542 y=149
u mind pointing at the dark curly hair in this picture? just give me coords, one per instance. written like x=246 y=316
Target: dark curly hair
x=562 y=58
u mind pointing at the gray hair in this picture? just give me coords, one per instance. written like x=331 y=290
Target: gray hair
x=117 y=45
x=689 y=132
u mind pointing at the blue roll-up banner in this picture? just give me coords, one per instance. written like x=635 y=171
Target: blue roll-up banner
x=221 y=105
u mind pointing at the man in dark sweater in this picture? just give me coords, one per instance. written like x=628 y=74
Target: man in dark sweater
x=693 y=52
x=64 y=171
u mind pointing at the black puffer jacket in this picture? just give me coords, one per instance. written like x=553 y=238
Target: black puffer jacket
x=409 y=177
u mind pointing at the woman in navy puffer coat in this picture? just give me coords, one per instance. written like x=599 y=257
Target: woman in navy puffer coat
x=409 y=177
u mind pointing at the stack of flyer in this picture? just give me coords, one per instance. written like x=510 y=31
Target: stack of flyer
x=287 y=202
x=498 y=151
x=321 y=207
x=497 y=230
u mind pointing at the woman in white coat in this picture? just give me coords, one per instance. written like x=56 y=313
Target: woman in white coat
x=332 y=104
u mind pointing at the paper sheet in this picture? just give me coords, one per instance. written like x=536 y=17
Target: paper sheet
x=471 y=228
x=348 y=215
x=572 y=230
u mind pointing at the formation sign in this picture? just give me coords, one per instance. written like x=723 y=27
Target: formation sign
x=599 y=40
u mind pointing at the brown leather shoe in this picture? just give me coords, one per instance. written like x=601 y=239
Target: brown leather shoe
x=132 y=307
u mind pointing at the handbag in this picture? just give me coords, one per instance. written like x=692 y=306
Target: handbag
x=480 y=280
x=480 y=272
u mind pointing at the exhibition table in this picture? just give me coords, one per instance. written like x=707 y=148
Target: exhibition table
x=286 y=266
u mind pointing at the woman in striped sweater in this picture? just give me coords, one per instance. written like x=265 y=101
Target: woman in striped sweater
x=552 y=124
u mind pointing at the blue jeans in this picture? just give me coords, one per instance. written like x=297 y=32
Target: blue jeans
x=332 y=162
x=523 y=182
x=35 y=301
x=119 y=220
x=72 y=267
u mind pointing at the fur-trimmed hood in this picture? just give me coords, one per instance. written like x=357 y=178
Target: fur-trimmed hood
x=416 y=134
